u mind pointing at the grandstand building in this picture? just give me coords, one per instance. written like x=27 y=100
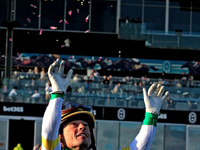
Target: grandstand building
x=131 y=42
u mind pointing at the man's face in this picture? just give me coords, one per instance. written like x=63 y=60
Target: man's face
x=76 y=134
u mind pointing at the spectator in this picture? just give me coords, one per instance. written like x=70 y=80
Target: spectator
x=91 y=78
x=13 y=94
x=36 y=71
x=116 y=88
x=170 y=103
x=140 y=88
x=17 y=83
x=127 y=20
x=120 y=20
x=178 y=84
x=34 y=97
x=192 y=104
x=184 y=79
x=135 y=88
x=48 y=89
x=15 y=75
x=87 y=86
x=133 y=20
x=42 y=73
x=36 y=94
x=76 y=78
x=175 y=81
x=34 y=84
x=145 y=80
x=106 y=82
x=96 y=74
x=163 y=76
x=190 y=79
x=138 y=20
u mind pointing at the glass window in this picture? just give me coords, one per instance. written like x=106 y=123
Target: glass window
x=154 y=17
x=155 y=2
x=107 y=135
x=173 y=3
x=38 y=127
x=3 y=11
x=128 y=132
x=131 y=1
x=3 y=135
x=103 y=17
x=27 y=13
x=179 y=19
x=158 y=141
x=195 y=20
x=131 y=11
x=193 y=139
x=175 y=137
x=52 y=12
x=77 y=15
x=2 y=41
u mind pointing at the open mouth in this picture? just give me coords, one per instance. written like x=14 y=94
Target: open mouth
x=82 y=134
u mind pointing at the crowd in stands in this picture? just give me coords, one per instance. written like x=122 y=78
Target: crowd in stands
x=110 y=84
x=127 y=20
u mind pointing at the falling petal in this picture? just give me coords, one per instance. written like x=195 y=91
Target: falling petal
x=33 y=6
x=41 y=31
x=77 y=10
x=62 y=46
x=70 y=12
x=99 y=58
x=10 y=39
x=39 y=15
x=87 y=18
x=70 y=56
x=60 y=21
x=29 y=20
x=53 y=28
x=88 y=1
x=66 y=22
x=86 y=31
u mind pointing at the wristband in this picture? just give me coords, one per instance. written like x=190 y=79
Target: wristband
x=150 y=119
x=56 y=95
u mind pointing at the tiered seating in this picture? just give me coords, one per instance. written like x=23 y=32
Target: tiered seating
x=183 y=98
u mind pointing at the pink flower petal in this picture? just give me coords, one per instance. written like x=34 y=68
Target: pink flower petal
x=41 y=31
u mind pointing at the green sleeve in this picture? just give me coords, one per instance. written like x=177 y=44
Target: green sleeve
x=56 y=95
x=150 y=119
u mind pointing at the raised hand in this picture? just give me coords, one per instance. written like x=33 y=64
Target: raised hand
x=154 y=98
x=58 y=79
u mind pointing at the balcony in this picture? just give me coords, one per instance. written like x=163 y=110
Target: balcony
x=182 y=97
x=176 y=39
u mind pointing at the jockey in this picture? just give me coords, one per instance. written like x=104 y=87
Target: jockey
x=70 y=126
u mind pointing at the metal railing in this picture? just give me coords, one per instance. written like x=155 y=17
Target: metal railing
x=183 y=95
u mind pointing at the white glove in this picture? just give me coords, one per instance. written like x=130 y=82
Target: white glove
x=154 y=99
x=58 y=80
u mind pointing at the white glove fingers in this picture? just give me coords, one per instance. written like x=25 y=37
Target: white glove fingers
x=144 y=93
x=152 y=89
x=69 y=74
x=62 y=67
x=54 y=66
x=161 y=91
x=165 y=96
